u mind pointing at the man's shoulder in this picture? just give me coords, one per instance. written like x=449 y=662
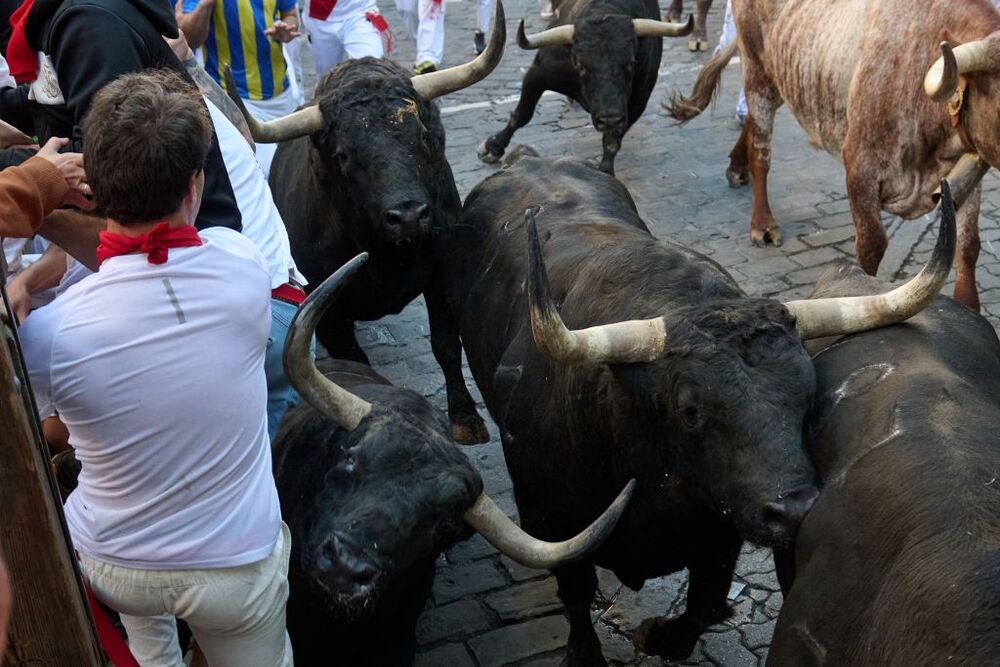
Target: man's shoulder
x=234 y=244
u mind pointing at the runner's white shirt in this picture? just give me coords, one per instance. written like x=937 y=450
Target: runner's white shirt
x=262 y=223
x=158 y=373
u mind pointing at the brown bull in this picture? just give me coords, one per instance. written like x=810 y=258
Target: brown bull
x=851 y=72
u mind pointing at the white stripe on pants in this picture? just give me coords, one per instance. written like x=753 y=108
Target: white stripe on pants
x=334 y=40
x=424 y=22
x=237 y=614
x=276 y=107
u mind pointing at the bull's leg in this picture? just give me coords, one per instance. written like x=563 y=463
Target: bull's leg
x=675 y=12
x=863 y=191
x=612 y=143
x=784 y=566
x=577 y=585
x=492 y=149
x=467 y=427
x=337 y=336
x=698 y=41
x=738 y=172
x=967 y=250
x=763 y=101
x=711 y=572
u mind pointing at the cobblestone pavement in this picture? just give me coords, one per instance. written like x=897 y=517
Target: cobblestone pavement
x=485 y=609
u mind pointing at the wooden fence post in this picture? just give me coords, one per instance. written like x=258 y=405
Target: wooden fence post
x=50 y=621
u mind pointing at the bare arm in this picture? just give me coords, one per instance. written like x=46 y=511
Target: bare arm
x=196 y=23
x=75 y=232
x=42 y=275
x=209 y=88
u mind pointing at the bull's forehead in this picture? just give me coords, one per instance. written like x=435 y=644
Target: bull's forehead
x=610 y=32
x=377 y=109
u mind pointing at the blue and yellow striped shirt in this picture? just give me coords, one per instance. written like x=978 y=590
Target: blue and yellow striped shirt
x=236 y=36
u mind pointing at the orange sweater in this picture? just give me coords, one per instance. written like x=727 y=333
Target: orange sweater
x=28 y=193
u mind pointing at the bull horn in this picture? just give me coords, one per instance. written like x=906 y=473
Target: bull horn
x=651 y=28
x=326 y=396
x=621 y=342
x=296 y=124
x=435 y=84
x=941 y=80
x=817 y=318
x=499 y=530
x=561 y=34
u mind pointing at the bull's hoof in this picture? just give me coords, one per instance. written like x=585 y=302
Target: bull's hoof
x=737 y=177
x=486 y=155
x=696 y=44
x=760 y=237
x=671 y=639
x=583 y=652
x=470 y=431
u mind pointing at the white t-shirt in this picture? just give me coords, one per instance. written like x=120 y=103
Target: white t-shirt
x=158 y=373
x=262 y=223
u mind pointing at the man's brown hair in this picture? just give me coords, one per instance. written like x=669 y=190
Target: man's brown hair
x=146 y=134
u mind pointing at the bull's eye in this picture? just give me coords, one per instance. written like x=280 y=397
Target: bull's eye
x=690 y=416
x=342 y=159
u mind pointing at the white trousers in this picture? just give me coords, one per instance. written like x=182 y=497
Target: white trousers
x=725 y=39
x=485 y=15
x=337 y=39
x=237 y=614
x=424 y=22
x=276 y=107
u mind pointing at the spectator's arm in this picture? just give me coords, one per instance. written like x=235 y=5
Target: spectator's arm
x=195 y=20
x=209 y=88
x=75 y=232
x=28 y=193
x=39 y=276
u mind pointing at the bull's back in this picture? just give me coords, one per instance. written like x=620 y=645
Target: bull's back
x=893 y=561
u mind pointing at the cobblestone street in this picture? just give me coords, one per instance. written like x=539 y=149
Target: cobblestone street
x=485 y=609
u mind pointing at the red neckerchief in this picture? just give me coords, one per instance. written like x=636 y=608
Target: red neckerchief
x=154 y=244
x=21 y=58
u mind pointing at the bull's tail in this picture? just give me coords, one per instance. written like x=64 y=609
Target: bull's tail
x=705 y=88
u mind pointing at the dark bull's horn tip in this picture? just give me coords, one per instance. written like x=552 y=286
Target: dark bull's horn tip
x=319 y=391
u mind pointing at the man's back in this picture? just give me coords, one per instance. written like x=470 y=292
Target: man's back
x=157 y=371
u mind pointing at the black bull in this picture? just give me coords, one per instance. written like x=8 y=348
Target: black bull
x=598 y=54
x=373 y=488
x=694 y=389
x=364 y=169
x=898 y=563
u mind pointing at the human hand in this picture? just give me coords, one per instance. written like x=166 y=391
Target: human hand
x=19 y=297
x=10 y=136
x=283 y=31
x=70 y=165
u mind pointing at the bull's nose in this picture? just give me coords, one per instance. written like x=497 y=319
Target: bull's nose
x=347 y=562
x=610 y=121
x=783 y=516
x=408 y=214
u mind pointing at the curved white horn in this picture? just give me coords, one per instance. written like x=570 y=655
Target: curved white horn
x=296 y=124
x=326 y=396
x=817 y=318
x=509 y=539
x=651 y=28
x=621 y=342
x=561 y=34
x=436 y=84
x=941 y=80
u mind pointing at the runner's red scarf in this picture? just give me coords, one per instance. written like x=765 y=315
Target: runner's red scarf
x=154 y=244
x=21 y=58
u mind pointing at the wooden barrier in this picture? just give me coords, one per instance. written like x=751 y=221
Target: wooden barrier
x=50 y=621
